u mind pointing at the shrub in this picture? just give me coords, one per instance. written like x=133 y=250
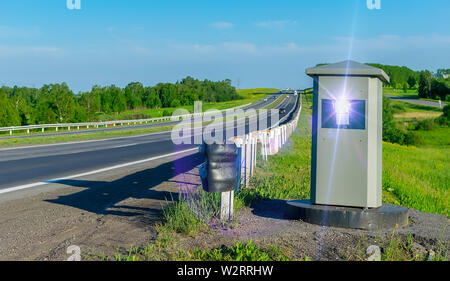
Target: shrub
x=426 y=125
x=413 y=138
x=446 y=111
x=167 y=112
x=394 y=135
x=180 y=218
x=136 y=116
x=175 y=103
x=398 y=108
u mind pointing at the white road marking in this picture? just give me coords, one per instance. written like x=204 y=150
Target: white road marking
x=26 y=186
x=76 y=142
x=127 y=145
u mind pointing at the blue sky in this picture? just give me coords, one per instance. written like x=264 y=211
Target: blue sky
x=263 y=43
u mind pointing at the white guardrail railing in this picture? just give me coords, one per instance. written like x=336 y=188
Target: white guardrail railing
x=115 y=123
x=270 y=141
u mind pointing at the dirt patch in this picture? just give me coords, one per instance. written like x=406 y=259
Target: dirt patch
x=418 y=115
x=264 y=225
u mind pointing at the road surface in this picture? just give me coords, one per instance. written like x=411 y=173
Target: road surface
x=39 y=164
x=419 y=102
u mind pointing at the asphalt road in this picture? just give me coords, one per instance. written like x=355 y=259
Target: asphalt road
x=417 y=101
x=37 y=165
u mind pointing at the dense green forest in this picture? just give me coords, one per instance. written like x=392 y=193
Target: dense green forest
x=57 y=103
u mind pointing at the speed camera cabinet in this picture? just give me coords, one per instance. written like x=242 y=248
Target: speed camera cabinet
x=347 y=125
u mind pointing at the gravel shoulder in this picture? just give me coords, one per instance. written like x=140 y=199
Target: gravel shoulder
x=264 y=225
x=99 y=213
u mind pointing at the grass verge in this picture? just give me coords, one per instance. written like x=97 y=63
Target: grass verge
x=14 y=142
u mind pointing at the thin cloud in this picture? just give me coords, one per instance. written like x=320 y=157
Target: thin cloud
x=9 y=51
x=222 y=25
x=13 y=32
x=274 y=23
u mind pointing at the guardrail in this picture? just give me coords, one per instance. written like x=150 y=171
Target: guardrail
x=270 y=142
x=105 y=124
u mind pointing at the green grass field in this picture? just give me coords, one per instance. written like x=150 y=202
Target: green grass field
x=415 y=177
x=410 y=93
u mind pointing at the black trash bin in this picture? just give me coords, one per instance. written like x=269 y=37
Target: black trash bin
x=220 y=169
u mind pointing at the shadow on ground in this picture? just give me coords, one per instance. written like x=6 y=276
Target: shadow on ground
x=273 y=209
x=103 y=198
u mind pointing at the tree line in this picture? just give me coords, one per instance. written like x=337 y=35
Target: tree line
x=57 y=103
x=428 y=84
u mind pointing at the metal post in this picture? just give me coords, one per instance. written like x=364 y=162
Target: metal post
x=254 y=154
x=245 y=160
x=248 y=161
x=251 y=155
x=226 y=205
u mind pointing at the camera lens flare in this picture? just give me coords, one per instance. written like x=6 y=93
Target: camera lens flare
x=342 y=110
